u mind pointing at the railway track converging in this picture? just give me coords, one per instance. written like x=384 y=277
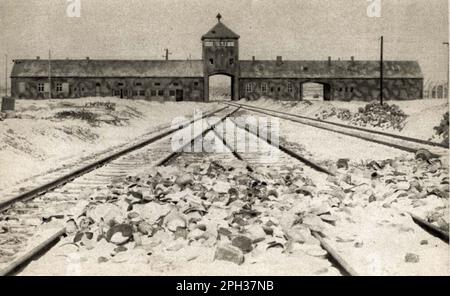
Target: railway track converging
x=60 y=199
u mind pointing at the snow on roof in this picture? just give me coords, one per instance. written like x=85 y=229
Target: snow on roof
x=108 y=68
x=326 y=69
x=220 y=31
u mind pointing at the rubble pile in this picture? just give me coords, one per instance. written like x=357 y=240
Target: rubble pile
x=442 y=129
x=239 y=215
x=372 y=115
x=228 y=213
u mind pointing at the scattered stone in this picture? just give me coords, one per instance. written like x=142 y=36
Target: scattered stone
x=119 y=234
x=102 y=259
x=242 y=242
x=256 y=233
x=424 y=242
x=184 y=180
x=343 y=163
x=412 y=258
x=229 y=253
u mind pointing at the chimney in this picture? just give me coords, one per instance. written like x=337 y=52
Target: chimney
x=253 y=58
x=353 y=58
x=38 y=58
x=329 y=61
x=87 y=58
x=279 y=60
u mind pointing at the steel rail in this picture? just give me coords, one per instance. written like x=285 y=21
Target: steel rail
x=430 y=228
x=49 y=186
x=399 y=137
x=289 y=152
x=16 y=265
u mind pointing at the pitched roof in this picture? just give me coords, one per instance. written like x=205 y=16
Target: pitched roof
x=322 y=69
x=220 y=31
x=108 y=68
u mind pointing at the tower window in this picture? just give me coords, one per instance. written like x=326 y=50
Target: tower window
x=211 y=61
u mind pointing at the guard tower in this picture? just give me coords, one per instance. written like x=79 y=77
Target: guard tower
x=221 y=56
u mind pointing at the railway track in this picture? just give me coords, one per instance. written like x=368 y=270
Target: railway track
x=154 y=152
x=64 y=192
x=407 y=144
x=146 y=156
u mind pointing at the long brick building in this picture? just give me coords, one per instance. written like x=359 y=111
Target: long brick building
x=188 y=80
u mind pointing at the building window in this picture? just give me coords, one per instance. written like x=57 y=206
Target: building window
x=153 y=93
x=279 y=89
x=120 y=84
x=346 y=89
x=195 y=83
x=230 y=43
x=59 y=87
x=340 y=89
x=289 y=87
x=176 y=84
x=249 y=87
x=142 y=93
x=172 y=93
x=209 y=43
x=305 y=69
x=157 y=84
x=116 y=93
x=40 y=87
x=263 y=87
x=160 y=93
x=351 y=89
x=231 y=61
x=211 y=61
x=21 y=87
x=135 y=93
x=138 y=84
x=271 y=89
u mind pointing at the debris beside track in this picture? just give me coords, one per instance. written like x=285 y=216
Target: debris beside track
x=372 y=115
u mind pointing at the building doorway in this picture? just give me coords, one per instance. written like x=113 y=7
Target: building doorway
x=179 y=95
x=313 y=91
x=220 y=87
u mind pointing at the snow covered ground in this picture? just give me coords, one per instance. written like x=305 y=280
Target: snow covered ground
x=423 y=115
x=38 y=141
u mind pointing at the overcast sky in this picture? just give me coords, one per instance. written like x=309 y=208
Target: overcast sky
x=295 y=29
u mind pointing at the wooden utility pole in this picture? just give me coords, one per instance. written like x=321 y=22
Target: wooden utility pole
x=6 y=75
x=448 y=68
x=381 y=72
x=166 y=55
x=49 y=75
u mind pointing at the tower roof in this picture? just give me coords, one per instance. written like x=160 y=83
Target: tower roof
x=220 y=31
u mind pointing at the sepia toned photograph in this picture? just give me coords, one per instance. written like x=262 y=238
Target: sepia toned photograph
x=224 y=138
